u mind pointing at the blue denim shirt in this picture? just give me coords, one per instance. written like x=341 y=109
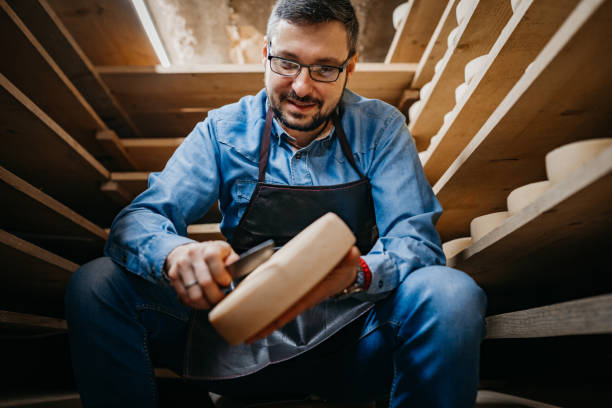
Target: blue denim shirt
x=218 y=160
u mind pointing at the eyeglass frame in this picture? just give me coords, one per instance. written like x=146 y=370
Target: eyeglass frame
x=300 y=66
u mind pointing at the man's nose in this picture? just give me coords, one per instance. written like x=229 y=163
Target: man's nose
x=302 y=83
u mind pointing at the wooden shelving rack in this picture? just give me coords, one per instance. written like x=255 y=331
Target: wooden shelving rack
x=86 y=116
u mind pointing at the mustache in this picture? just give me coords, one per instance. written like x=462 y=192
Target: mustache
x=304 y=99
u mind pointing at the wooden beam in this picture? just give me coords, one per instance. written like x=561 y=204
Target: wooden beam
x=151 y=154
x=38 y=150
x=133 y=182
x=44 y=23
x=205 y=232
x=108 y=31
x=527 y=32
x=578 y=317
x=13 y=319
x=567 y=218
x=48 y=223
x=436 y=47
x=414 y=32
x=476 y=35
x=564 y=97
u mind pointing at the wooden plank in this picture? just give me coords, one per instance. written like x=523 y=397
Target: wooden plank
x=492 y=399
x=52 y=91
x=168 y=124
x=59 y=399
x=151 y=154
x=414 y=32
x=564 y=97
x=153 y=90
x=476 y=36
x=108 y=31
x=31 y=214
x=12 y=319
x=527 y=32
x=44 y=23
x=205 y=232
x=33 y=279
x=109 y=141
x=568 y=218
x=38 y=150
x=577 y=317
x=437 y=45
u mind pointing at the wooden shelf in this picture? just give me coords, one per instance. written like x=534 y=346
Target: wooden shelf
x=578 y=317
x=564 y=97
x=526 y=33
x=205 y=232
x=67 y=399
x=44 y=23
x=33 y=279
x=436 y=47
x=28 y=212
x=477 y=34
x=151 y=154
x=414 y=32
x=52 y=91
x=38 y=150
x=13 y=320
x=569 y=216
x=168 y=102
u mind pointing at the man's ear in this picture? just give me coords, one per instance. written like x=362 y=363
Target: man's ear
x=350 y=67
x=264 y=51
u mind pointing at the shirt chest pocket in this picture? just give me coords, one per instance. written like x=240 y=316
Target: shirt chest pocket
x=243 y=190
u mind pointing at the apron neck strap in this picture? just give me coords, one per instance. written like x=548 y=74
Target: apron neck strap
x=264 y=146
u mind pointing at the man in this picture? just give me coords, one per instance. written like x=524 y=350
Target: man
x=406 y=328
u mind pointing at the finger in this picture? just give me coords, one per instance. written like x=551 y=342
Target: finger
x=192 y=295
x=208 y=287
x=214 y=259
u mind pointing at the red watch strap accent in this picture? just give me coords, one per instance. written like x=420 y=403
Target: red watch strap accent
x=367 y=273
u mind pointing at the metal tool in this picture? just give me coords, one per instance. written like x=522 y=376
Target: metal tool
x=248 y=261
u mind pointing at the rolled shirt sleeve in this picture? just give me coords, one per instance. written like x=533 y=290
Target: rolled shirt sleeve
x=406 y=211
x=146 y=231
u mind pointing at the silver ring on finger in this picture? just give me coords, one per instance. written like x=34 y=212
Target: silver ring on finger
x=190 y=284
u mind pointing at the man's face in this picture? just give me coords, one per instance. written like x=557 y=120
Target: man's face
x=301 y=103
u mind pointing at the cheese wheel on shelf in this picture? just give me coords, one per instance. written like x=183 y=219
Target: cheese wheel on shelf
x=563 y=160
x=413 y=111
x=426 y=91
x=282 y=280
x=452 y=248
x=514 y=4
x=521 y=197
x=463 y=8
x=481 y=226
x=474 y=67
x=460 y=93
x=400 y=13
x=453 y=37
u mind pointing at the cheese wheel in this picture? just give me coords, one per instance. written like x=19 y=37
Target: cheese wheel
x=565 y=159
x=400 y=13
x=426 y=91
x=439 y=65
x=453 y=37
x=461 y=93
x=521 y=197
x=449 y=115
x=413 y=111
x=452 y=248
x=481 y=226
x=282 y=280
x=463 y=8
x=474 y=67
x=514 y=4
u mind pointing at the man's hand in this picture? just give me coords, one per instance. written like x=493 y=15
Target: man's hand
x=202 y=263
x=341 y=277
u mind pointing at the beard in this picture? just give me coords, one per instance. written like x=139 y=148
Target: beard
x=285 y=118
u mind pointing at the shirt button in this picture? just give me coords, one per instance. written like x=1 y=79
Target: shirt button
x=298 y=156
x=380 y=284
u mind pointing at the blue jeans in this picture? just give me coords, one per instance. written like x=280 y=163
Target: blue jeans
x=419 y=346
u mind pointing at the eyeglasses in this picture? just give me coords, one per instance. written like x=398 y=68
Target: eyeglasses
x=318 y=72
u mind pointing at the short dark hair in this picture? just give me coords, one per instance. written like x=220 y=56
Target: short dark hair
x=314 y=12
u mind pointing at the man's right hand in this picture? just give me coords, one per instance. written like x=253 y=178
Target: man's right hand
x=204 y=263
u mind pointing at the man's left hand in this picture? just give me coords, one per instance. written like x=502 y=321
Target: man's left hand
x=337 y=280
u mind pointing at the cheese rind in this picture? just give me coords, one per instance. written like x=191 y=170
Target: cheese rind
x=481 y=226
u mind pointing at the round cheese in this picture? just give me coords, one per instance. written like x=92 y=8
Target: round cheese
x=452 y=248
x=523 y=196
x=481 y=226
x=565 y=159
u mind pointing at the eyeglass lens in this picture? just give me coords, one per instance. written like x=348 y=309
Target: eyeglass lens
x=317 y=72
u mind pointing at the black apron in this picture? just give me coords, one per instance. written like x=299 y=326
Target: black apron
x=280 y=212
